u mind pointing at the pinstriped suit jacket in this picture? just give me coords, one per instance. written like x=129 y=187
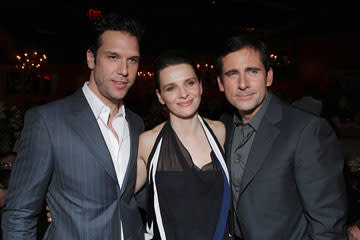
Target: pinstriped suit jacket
x=64 y=158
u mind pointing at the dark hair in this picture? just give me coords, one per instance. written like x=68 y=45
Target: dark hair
x=239 y=42
x=4 y=178
x=170 y=58
x=115 y=22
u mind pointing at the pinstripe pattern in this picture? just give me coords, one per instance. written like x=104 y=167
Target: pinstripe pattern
x=63 y=158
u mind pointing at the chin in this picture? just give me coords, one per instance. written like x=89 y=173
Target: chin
x=242 y=106
x=185 y=115
x=116 y=98
x=120 y=95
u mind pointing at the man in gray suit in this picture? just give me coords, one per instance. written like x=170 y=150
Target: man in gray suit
x=286 y=166
x=80 y=152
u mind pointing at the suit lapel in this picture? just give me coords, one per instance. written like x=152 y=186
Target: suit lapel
x=227 y=119
x=83 y=122
x=261 y=147
x=133 y=134
x=228 y=146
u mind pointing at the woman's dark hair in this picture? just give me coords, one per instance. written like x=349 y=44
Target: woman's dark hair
x=170 y=58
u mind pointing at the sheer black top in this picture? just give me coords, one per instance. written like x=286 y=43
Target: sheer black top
x=190 y=199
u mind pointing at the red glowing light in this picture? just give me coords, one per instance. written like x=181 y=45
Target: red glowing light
x=47 y=77
x=94 y=14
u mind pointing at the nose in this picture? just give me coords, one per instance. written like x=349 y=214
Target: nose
x=122 y=67
x=183 y=92
x=243 y=82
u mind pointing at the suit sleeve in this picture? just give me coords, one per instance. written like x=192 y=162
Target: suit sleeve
x=141 y=197
x=319 y=176
x=29 y=180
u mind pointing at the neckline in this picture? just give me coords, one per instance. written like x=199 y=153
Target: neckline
x=181 y=145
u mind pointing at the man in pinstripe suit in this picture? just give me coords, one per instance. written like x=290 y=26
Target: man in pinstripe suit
x=79 y=153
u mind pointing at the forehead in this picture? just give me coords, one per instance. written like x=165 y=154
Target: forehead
x=119 y=41
x=176 y=73
x=246 y=57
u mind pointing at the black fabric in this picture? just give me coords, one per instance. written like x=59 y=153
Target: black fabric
x=190 y=198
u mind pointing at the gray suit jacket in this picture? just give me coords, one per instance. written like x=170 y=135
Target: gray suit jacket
x=63 y=157
x=293 y=185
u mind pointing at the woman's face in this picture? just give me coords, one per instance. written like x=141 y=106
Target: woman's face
x=180 y=90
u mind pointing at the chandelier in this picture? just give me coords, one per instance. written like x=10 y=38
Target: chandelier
x=30 y=61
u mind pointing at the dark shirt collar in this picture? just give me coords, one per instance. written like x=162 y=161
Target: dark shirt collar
x=256 y=120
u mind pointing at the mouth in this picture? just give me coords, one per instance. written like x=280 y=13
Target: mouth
x=244 y=95
x=120 y=83
x=186 y=103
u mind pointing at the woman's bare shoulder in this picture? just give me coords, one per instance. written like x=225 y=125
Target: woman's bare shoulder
x=148 y=138
x=215 y=124
x=218 y=128
x=146 y=142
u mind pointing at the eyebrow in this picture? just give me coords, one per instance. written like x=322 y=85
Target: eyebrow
x=185 y=80
x=231 y=71
x=191 y=78
x=115 y=53
x=252 y=69
x=167 y=85
x=111 y=53
x=134 y=57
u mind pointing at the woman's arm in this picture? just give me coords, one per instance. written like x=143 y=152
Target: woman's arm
x=141 y=168
x=146 y=143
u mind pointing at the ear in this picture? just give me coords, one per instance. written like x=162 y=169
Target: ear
x=201 y=87
x=269 y=77
x=161 y=100
x=90 y=59
x=220 y=84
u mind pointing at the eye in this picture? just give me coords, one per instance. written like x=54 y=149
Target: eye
x=253 y=71
x=112 y=57
x=134 y=60
x=169 y=88
x=190 y=82
x=231 y=74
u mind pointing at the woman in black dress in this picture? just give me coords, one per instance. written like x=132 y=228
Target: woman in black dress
x=182 y=160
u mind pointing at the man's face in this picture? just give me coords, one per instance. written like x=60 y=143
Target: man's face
x=244 y=81
x=115 y=68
